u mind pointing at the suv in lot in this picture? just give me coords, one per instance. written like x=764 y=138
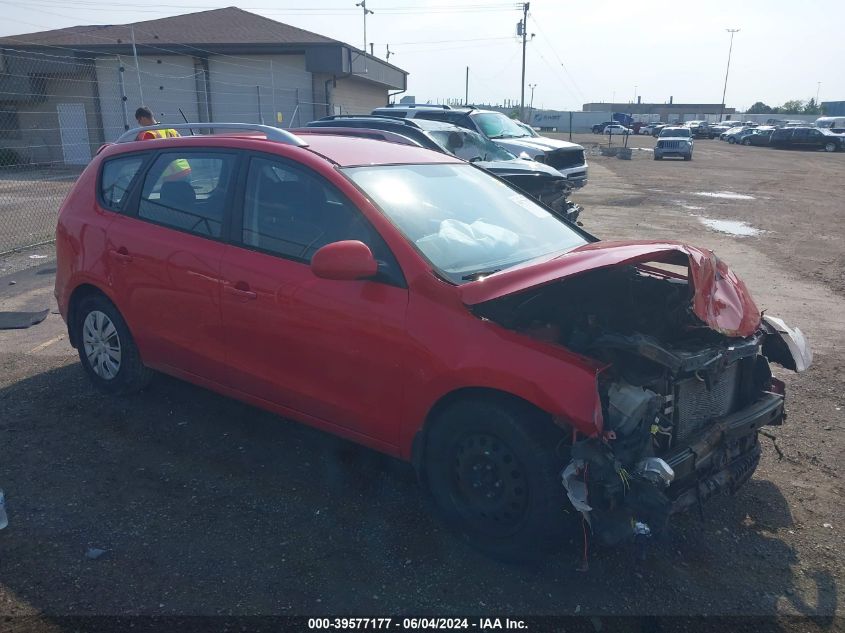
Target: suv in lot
x=536 y=179
x=408 y=301
x=674 y=141
x=699 y=129
x=807 y=138
x=568 y=158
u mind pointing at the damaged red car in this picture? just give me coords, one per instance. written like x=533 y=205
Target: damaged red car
x=416 y=304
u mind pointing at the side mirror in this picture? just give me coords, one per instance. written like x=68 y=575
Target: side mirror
x=344 y=261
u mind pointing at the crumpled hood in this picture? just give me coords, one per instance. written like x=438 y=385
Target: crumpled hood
x=534 y=143
x=518 y=166
x=720 y=300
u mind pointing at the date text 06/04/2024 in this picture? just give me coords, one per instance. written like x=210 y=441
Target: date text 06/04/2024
x=429 y=623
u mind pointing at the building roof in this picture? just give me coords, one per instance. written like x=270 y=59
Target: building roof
x=229 y=26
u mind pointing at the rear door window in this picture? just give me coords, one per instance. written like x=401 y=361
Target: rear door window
x=116 y=180
x=188 y=191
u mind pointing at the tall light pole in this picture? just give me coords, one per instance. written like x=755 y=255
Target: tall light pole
x=818 y=87
x=531 y=106
x=524 y=28
x=363 y=5
x=727 y=70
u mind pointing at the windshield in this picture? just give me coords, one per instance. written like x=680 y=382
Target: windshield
x=496 y=125
x=675 y=132
x=465 y=222
x=467 y=145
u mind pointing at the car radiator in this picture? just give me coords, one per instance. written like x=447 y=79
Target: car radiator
x=695 y=405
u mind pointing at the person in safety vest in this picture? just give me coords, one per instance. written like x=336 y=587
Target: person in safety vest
x=179 y=169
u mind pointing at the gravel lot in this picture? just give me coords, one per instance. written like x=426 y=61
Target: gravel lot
x=206 y=506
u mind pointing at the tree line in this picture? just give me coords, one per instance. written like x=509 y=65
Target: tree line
x=793 y=106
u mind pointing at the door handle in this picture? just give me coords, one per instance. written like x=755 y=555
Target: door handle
x=240 y=290
x=121 y=254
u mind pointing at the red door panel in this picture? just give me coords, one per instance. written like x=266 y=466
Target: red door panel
x=331 y=349
x=168 y=290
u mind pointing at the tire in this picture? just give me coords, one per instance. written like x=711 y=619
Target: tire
x=746 y=142
x=732 y=140
x=688 y=157
x=106 y=348
x=830 y=147
x=493 y=474
x=656 y=157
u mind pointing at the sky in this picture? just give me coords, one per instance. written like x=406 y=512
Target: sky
x=582 y=51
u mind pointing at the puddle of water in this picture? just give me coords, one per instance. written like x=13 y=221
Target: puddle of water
x=731 y=227
x=730 y=195
x=688 y=207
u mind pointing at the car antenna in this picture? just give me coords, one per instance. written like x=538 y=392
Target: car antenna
x=186 y=120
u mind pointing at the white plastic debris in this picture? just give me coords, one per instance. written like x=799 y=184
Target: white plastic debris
x=829 y=526
x=94 y=553
x=576 y=489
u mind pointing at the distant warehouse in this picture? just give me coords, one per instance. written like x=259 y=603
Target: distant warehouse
x=833 y=108
x=669 y=111
x=64 y=92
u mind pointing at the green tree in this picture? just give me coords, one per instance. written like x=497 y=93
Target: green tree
x=812 y=107
x=793 y=106
x=760 y=108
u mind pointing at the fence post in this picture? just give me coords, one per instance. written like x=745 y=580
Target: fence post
x=120 y=72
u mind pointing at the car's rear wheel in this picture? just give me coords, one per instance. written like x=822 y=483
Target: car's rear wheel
x=106 y=348
x=493 y=471
x=830 y=147
x=688 y=157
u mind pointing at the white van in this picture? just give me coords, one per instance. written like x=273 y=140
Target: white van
x=832 y=123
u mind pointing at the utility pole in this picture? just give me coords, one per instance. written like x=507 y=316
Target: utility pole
x=727 y=70
x=466 y=89
x=389 y=53
x=363 y=5
x=524 y=28
x=818 y=87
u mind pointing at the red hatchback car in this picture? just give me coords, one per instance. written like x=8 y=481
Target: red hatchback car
x=411 y=302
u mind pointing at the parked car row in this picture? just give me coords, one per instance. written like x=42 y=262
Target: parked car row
x=369 y=283
x=538 y=179
x=787 y=137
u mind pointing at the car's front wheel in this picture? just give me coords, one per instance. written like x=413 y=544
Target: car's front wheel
x=731 y=140
x=106 y=348
x=830 y=147
x=747 y=142
x=492 y=469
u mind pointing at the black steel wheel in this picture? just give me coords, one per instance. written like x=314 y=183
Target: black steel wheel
x=492 y=469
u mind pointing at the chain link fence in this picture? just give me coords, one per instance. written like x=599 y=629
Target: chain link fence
x=59 y=105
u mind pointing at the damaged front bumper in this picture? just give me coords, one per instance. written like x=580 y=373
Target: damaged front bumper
x=718 y=461
x=724 y=457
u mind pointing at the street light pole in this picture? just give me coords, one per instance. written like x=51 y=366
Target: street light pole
x=524 y=42
x=727 y=70
x=363 y=5
x=531 y=106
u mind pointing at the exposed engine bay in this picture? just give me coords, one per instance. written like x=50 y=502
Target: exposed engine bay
x=681 y=403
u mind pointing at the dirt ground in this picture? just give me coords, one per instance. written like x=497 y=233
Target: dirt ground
x=206 y=506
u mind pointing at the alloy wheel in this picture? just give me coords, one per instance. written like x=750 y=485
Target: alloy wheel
x=101 y=343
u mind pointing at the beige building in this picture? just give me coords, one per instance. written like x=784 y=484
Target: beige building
x=65 y=92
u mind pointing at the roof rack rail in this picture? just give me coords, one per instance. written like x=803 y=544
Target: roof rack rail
x=272 y=133
x=378 y=117
x=417 y=105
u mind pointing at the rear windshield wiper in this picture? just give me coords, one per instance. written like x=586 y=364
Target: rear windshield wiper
x=478 y=275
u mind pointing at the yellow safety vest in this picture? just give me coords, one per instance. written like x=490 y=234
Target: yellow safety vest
x=180 y=168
